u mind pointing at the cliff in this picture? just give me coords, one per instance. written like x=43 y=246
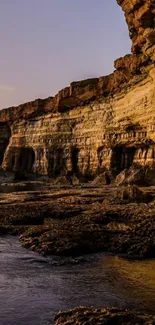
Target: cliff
x=105 y=123
x=140 y=17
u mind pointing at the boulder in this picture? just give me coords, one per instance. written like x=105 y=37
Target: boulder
x=131 y=176
x=102 y=179
x=150 y=175
x=74 y=180
x=135 y=194
x=62 y=181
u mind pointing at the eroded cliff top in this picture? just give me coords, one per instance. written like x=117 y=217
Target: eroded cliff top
x=140 y=17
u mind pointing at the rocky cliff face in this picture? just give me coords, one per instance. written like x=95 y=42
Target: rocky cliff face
x=93 y=125
x=140 y=17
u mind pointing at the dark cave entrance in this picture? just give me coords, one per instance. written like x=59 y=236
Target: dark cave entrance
x=2 y=151
x=74 y=159
x=26 y=160
x=122 y=158
x=58 y=162
x=50 y=163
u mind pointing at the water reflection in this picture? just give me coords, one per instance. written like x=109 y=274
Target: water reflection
x=133 y=279
x=32 y=289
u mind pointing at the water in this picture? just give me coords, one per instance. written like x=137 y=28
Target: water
x=33 y=289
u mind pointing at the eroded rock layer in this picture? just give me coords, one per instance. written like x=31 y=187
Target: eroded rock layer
x=140 y=17
x=106 y=123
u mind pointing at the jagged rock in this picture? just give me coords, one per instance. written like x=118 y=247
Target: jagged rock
x=104 y=316
x=143 y=176
x=141 y=23
x=74 y=180
x=121 y=179
x=135 y=194
x=103 y=179
x=132 y=64
x=62 y=180
x=75 y=221
x=131 y=176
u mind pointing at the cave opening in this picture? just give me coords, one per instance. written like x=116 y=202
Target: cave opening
x=2 y=150
x=75 y=159
x=26 y=160
x=50 y=163
x=58 y=162
x=122 y=158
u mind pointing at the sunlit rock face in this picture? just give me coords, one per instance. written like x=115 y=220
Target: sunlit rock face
x=95 y=124
x=140 y=17
x=109 y=132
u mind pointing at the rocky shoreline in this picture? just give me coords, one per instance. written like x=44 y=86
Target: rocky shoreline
x=69 y=221
x=82 y=219
x=103 y=316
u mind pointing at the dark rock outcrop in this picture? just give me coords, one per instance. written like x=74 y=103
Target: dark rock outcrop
x=134 y=194
x=103 y=316
x=71 y=221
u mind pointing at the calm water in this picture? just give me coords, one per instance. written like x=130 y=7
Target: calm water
x=33 y=289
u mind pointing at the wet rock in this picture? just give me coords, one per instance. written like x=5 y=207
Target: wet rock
x=91 y=316
x=80 y=220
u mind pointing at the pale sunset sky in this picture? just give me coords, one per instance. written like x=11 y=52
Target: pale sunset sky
x=46 y=44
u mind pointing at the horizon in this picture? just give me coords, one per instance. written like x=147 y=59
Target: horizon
x=50 y=46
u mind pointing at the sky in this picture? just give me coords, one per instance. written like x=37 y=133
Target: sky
x=47 y=44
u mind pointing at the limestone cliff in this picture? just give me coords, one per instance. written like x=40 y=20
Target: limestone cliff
x=92 y=125
x=140 y=17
